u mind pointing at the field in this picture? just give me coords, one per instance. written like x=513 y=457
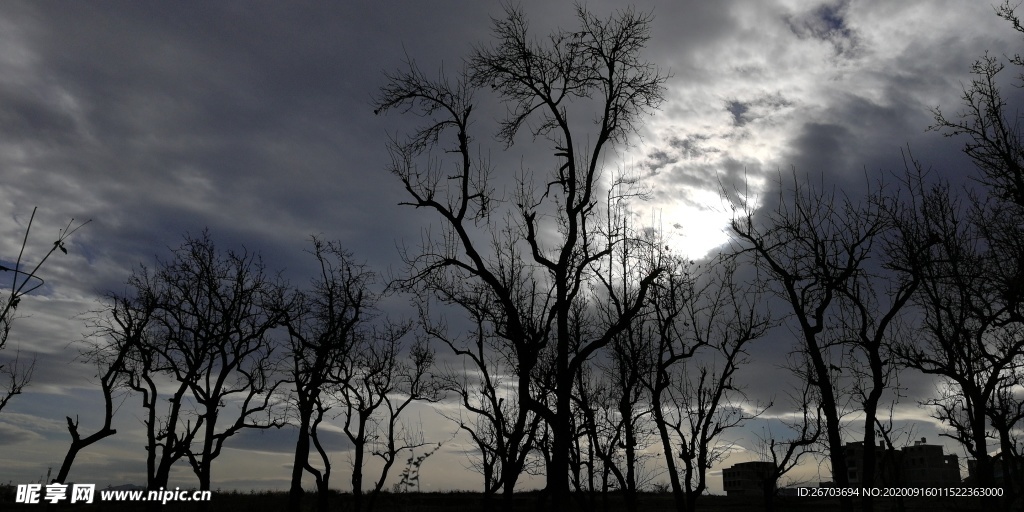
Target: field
x=466 y=502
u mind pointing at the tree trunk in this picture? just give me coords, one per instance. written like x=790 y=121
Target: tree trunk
x=629 y=493
x=870 y=455
x=558 y=470
x=357 y=475
x=323 y=495
x=666 y=445
x=77 y=443
x=301 y=459
x=508 y=484
x=837 y=455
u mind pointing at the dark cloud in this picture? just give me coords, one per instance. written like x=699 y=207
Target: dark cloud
x=30 y=118
x=174 y=119
x=827 y=22
x=821 y=148
x=738 y=110
x=760 y=107
x=658 y=159
x=254 y=119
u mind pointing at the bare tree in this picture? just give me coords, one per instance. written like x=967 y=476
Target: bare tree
x=209 y=338
x=610 y=433
x=552 y=230
x=324 y=325
x=122 y=330
x=14 y=372
x=702 y=327
x=995 y=146
x=486 y=460
x=785 y=454
x=819 y=252
x=624 y=413
x=994 y=143
x=594 y=439
x=970 y=332
x=500 y=427
x=166 y=441
x=376 y=388
x=1006 y=414
x=611 y=400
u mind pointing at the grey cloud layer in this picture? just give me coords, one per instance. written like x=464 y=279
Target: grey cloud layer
x=254 y=119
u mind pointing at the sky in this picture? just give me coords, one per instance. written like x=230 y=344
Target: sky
x=255 y=120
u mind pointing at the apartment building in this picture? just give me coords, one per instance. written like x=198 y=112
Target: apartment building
x=747 y=478
x=919 y=465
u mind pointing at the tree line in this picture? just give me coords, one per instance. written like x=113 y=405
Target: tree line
x=580 y=346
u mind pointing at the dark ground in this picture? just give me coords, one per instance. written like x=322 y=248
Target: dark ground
x=471 y=502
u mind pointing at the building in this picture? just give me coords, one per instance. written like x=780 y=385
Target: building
x=998 y=468
x=920 y=465
x=925 y=465
x=748 y=478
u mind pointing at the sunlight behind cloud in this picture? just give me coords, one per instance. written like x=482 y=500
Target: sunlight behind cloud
x=156 y=122
x=692 y=230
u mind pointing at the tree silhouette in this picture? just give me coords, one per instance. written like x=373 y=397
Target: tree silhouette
x=701 y=327
x=209 y=340
x=994 y=143
x=15 y=373
x=785 y=453
x=971 y=323
x=819 y=253
x=324 y=326
x=994 y=227
x=122 y=329
x=502 y=429
x=539 y=267
x=378 y=386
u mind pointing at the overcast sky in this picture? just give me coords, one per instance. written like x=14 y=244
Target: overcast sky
x=255 y=120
